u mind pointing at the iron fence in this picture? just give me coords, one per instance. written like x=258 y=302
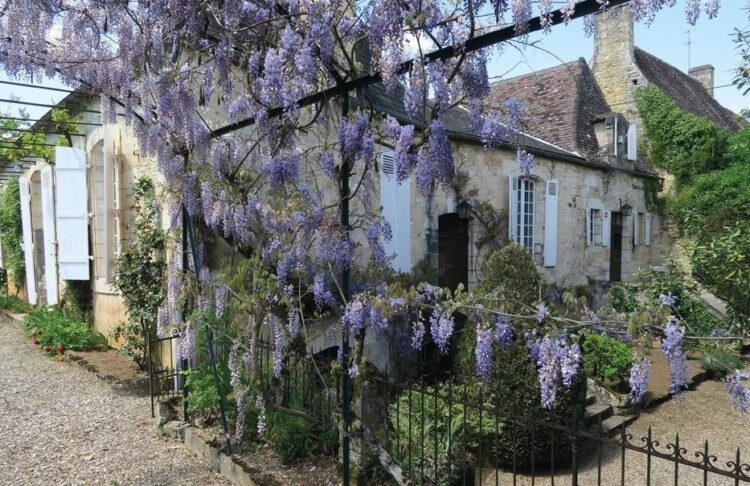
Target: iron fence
x=448 y=435
x=307 y=384
x=166 y=381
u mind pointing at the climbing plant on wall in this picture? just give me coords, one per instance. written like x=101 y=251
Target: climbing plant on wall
x=140 y=271
x=11 y=233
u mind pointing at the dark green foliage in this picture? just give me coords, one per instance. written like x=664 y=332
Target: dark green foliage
x=511 y=277
x=77 y=298
x=720 y=362
x=682 y=143
x=515 y=380
x=3 y=281
x=292 y=437
x=623 y=298
x=203 y=399
x=714 y=200
x=13 y=304
x=52 y=327
x=11 y=232
x=140 y=273
x=723 y=265
x=606 y=359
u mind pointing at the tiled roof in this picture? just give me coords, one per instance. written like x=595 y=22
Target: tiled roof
x=561 y=103
x=689 y=94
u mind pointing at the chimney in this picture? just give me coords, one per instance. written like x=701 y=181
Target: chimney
x=704 y=75
x=613 y=62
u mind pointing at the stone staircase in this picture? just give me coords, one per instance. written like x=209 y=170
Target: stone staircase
x=601 y=417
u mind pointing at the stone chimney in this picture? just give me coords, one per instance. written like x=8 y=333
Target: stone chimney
x=704 y=75
x=613 y=63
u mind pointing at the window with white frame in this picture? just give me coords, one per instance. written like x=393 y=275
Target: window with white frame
x=105 y=202
x=594 y=226
x=524 y=224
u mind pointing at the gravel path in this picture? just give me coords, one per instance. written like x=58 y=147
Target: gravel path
x=59 y=425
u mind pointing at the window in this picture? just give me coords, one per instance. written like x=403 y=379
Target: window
x=593 y=226
x=524 y=223
x=105 y=201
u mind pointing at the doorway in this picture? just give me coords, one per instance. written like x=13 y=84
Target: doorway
x=615 y=253
x=453 y=251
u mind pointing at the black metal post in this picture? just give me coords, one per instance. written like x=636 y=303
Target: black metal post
x=345 y=392
x=188 y=228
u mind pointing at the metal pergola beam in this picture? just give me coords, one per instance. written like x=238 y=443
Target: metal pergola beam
x=47 y=132
x=41 y=105
x=36 y=86
x=15 y=118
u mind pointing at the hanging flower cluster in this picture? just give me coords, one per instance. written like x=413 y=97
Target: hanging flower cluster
x=671 y=346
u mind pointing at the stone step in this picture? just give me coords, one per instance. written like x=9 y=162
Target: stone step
x=612 y=425
x=590 y=398
x=745 y=357
x=595 y=412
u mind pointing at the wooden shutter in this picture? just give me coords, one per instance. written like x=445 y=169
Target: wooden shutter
x=632 y=143
x=395 y=199
x=28 y=241
x=116 y=237
x=636 y=230
x=647 y=229
x=512 y=207
x=606 y=227
x=550 y=223
x=48 y=228
x=72 y=213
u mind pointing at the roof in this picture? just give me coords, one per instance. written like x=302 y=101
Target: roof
x=457 y=123
x=561 y=104
x=687 y=92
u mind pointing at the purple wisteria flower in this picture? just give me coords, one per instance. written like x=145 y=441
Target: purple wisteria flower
x=417 y=335
x=234 y=364
x=525 y=161
x=503 y=331
x=483 y=352
x=667 y=300
x=295 y=322
x=186 y=347
x=279 y=341
x=671 y=346
x=557 y=361
x=738 y=391
x=355 y=316
x=260 y=403
x=353 y=371
x=220 y=297
x=639 y=374
x=441 y=328
x=541 y=313
x=162 y=321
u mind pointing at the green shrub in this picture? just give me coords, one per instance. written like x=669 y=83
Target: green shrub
x=203 y=399
x=292 y=437
x=13 y=304
x=53 y=328
x=511 y=277
x=720 y=361
x=623 y=298
x=3 y=280
x=606 y=359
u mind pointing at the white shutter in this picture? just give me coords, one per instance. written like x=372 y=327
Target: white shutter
x=589 y=236
x=2 y=262
x=395 y=199
x=28 y=242
x=636 y=230
x=116 y=205
x=647 y=236
x=632 y=143
x=72 y=213
x=48 y=228
x=512 y=207
x=606 y=227
x=550 y=223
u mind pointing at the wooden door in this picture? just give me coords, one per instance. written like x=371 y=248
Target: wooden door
x=615 y=253
x=453 y=251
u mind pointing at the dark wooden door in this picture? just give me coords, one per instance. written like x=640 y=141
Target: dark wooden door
x=615 y=253
x=453 y=251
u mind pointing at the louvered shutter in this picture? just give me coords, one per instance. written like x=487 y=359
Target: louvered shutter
x=116 y=238
x=28 y=242
x=550 y=223
x=395 y=199
x=72 y=213
x=512 y=207
x=606 y=227
x=48 y=228
x=647 y=229
x=632 y=143
x=636 y=230
x=589 y=236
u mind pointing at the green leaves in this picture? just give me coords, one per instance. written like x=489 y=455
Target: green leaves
x=11 y=232
x=53 y=328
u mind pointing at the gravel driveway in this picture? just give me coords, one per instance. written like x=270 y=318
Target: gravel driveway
x=59 y=425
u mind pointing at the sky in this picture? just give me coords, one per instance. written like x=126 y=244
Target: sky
x=666 y=38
